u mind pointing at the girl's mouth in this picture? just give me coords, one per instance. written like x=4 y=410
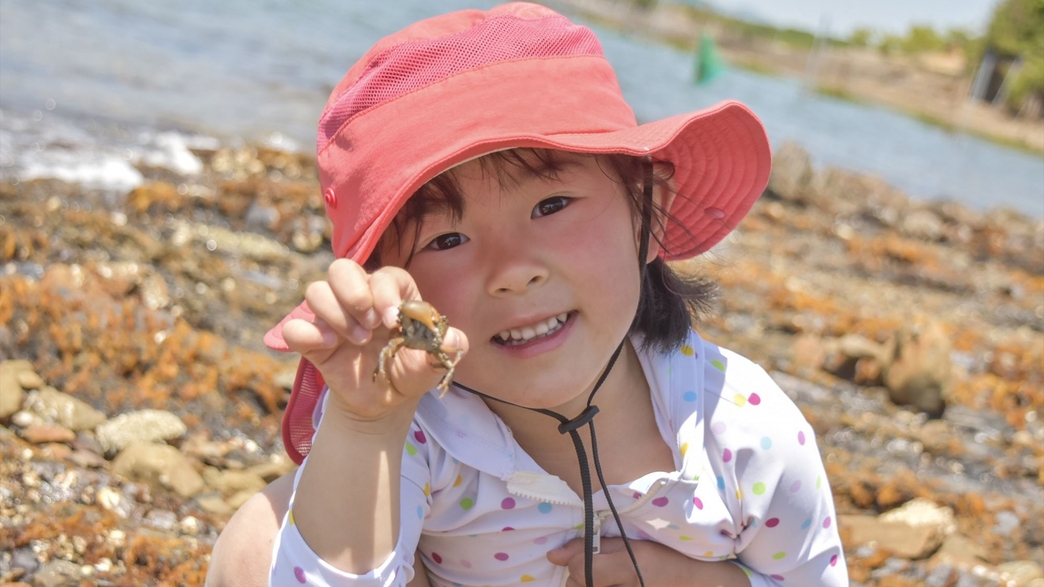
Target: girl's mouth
x=524 y=335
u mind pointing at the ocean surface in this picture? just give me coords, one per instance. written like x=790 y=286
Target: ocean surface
x=88 y=89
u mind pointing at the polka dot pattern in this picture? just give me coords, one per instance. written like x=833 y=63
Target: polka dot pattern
x=736 y=433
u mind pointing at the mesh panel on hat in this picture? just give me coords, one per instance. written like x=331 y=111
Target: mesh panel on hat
x=415 y=64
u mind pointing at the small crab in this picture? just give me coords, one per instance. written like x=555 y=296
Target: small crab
x=421 y=327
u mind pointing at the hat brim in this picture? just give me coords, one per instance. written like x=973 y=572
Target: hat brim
x=721 y=157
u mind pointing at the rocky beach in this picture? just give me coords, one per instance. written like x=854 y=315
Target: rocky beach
x=139 y=408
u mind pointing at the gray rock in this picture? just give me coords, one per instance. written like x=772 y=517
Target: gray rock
x=57 y=573
x=940 y=576
x=920 y=373
x=791 y=172
x=161 y=465
x=143 y=426
x=23 y=558
x=922 y=224
x=164 y=520
x=55 y=407
x=1006 y=522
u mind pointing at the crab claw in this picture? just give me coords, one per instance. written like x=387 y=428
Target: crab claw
x=422 y=312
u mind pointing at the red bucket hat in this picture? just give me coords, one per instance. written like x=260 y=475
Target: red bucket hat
x=461 y=85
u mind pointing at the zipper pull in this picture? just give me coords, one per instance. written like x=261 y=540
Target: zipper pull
x=597 y=535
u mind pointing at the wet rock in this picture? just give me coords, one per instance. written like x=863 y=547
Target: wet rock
x=791 y=172
x=43 y=433
x=142 y=426
x=154 y=292
x=1006 y=522
x=57 y=573
x=1020 y=573
x=922 y=224
x=11 y=390
x=24 y=559
x=923 y=512
x=161 y=519
x=161 y=465
x=959 y=551
x=53 y=406
x=919 y=373
x=29 y=380
x=277 y=466
x=215 y=504
x=913 y=531
x=261 y=217
x=232 y=482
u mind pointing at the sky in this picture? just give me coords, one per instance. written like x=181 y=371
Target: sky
x=893 y=16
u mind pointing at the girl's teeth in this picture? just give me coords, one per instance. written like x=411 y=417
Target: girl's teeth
x=529 y=332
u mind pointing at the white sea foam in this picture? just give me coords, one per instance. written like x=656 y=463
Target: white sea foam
x=170 y=151
x=83 y=152
x=95 y=170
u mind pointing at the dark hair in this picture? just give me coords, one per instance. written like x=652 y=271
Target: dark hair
x=670 y=301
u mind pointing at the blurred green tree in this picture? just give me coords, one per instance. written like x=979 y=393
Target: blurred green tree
x=860 y=37
x=922 y=39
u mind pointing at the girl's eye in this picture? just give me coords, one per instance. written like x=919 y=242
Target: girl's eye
x=550 y=206
x=447 y=241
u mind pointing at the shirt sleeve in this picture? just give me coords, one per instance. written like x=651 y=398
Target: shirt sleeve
x=782 y=499
x=295 y=563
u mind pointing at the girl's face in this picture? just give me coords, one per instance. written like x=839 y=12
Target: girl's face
x=541 y=274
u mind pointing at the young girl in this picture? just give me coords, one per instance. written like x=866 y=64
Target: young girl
x=486 y=163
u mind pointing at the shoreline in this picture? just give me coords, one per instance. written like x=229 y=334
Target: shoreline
x=928 y=89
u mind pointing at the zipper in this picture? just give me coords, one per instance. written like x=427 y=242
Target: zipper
x=601 y=515
x=542 y=487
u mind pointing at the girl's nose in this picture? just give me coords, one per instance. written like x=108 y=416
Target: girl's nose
x=514 y=271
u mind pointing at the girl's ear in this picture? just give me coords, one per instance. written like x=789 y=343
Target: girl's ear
x=663 y=197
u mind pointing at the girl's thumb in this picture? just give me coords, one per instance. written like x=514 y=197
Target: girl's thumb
x=455 y=340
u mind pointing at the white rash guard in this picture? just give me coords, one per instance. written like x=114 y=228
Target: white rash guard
x=749 y=487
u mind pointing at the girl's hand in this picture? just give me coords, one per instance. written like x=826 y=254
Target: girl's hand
x=354 y=312
x=661 y=566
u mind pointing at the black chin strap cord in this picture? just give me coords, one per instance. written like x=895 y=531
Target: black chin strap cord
x=567 y=426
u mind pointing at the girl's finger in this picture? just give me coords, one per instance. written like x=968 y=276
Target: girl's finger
x=310 y=338
x=389 y=287
x=326 y=306
x=350 y=284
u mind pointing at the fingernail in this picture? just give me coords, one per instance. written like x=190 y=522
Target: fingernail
x=371 y=319
x=391 y=317
x=359 y=334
